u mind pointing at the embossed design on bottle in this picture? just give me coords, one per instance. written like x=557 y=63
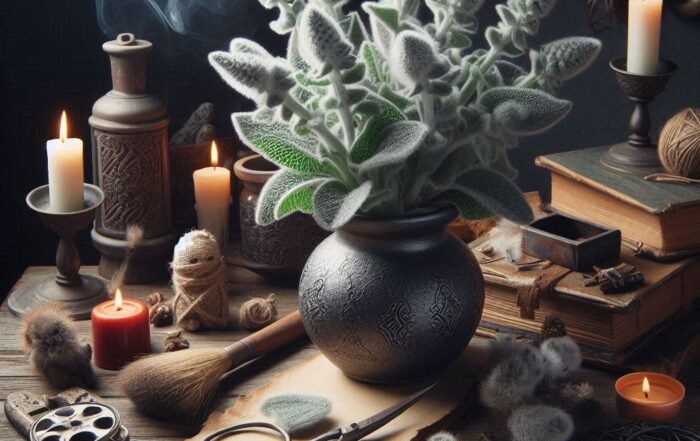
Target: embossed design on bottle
x=446 y=310
x=130 y=169
x=130 y=159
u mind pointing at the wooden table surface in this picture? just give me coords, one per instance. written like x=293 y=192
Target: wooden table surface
x=17 y=375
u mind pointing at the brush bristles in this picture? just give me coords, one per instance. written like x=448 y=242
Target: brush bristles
x=176 y=385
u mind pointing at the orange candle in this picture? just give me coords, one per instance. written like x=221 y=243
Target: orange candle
x=649 y=396
x=120 y=332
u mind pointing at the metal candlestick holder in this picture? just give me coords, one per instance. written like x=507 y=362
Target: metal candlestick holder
x=638 y=155
x=78 y=293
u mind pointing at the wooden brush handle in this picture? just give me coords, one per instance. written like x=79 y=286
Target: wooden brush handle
x=282 y=332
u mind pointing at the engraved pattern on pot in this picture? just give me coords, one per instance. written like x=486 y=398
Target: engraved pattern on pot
x=396 y=323
x=131 y=177
x=446 y=309
x=312 y=302
x=287 y=242
x=352 y=346
x=265 y=245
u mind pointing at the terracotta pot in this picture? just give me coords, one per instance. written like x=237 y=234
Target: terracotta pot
x=278 y=251
x=392 y=300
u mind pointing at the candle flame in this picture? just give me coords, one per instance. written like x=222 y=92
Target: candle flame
x=118 y=300
x=214 y=154
x=645 y=387
x=63 y=129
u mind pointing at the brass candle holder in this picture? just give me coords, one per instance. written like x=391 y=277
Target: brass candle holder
x=78 y=293
x=638 y=155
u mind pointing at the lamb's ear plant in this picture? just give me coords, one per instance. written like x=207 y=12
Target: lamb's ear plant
x=383 y=119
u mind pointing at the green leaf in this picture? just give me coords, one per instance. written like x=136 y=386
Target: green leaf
x=306 y=81
x=468 y=207
x=297 y=199
x=354 y=28
x=374 y=61
x=366 y=143
x=506 y=14
x=275 y=142
x=494 y=192
x=524 y=111
x=395 y=144
x=355 y=74
x=459 y=40
x=399 y=100
x=493 y=36
x=388 y=15
x=334 y=206
x=272 y=192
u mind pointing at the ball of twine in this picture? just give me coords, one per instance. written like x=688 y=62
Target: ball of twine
x=257 y=313
x=679 y=144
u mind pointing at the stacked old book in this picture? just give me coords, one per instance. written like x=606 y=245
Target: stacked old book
x=660 y=225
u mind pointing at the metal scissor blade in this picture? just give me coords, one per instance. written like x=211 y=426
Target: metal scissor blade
x=359 y=430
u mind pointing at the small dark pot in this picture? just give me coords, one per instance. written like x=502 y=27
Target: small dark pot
x=278 y=251
x=392 y=300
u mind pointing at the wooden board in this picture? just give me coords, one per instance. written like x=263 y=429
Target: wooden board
x=354 y=401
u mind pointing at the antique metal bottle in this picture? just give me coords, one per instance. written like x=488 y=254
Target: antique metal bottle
x=130 y=164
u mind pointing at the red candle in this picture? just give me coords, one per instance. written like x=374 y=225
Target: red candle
x=649 y=396
x=120 y=332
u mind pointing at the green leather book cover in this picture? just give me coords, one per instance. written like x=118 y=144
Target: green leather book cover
x=655 y=197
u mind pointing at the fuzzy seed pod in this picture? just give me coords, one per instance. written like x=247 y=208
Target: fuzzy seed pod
x=414 y=60
x=246 y=46
x=322 y=43
x=552 y=327
x=568 y=57
x=562 y=356
x=263 y=80
x=540 y=423
x=514 y=379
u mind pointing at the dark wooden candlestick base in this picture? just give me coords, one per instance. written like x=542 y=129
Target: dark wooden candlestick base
x=638 y=155
x=78 y=293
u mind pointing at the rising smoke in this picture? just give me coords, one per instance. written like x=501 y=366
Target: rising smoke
x=178 y=25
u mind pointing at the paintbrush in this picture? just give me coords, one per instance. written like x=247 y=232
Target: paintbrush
x=181 y=385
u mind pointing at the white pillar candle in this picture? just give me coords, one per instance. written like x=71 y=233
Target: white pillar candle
x=212 y=195
x=643 y=35
x=65 y=159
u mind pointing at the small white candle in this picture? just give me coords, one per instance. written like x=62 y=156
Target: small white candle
x=643 y=35
x=65 y=159
x=212 y=194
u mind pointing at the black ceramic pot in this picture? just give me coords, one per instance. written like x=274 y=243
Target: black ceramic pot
x=392 y=300
x=277 y=251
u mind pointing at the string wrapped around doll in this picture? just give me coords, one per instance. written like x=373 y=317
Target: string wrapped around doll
x=199 y=282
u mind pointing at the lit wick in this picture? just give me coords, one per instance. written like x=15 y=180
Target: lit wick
x=63 y=128
x=118 y=301
x=645 y=387
x=214 y=155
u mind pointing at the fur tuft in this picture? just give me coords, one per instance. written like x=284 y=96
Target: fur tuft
x=562 y=356
x=134 y=236
x=540 y=423
x=443 y=436
x=508 y=239
x=175 y=385
x=50 y=339
x=514 y=379
x=295 y=412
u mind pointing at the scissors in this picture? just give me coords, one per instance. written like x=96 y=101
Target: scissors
x=352 y=432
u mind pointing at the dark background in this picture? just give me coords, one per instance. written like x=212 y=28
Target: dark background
x=51 y=59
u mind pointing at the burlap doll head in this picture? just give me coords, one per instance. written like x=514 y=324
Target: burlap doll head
x=199 y=281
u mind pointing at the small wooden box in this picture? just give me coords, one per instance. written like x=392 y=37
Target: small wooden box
x=571 y=242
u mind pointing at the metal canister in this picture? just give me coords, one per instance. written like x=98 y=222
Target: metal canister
x=131 y=165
